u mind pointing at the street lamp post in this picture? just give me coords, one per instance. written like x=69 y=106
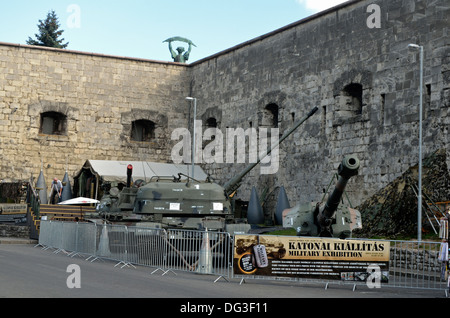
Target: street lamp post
x=193 y=137
x=419 y=197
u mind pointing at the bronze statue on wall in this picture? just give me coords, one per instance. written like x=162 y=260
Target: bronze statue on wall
x=180 y=56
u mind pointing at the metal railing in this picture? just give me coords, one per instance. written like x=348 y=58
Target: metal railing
x=33 y=203
x=203 y=252
x=411 y=264
x=416 y=265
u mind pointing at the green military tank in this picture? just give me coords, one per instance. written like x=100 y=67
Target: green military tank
x=183 y=203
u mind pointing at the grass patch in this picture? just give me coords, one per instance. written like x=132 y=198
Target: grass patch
x=284 y=232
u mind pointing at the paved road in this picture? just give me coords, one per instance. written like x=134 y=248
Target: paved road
x=31 y=272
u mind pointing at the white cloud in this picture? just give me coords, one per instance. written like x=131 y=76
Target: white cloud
x=319 y=5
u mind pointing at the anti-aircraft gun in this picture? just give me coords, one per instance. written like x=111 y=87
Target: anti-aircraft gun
x=117 y=205
x=332 y=219
x=234 y=183
x=183 y=202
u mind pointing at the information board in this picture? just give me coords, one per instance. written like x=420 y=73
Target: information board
x=305 y=257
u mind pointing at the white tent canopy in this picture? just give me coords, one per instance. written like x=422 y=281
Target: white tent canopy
x=116 y=171
x=80 y=200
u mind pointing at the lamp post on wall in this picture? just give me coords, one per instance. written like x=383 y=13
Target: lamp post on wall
x=193 y=136
x=419 y=197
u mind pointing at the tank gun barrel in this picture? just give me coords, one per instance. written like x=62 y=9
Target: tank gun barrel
x=347 y=169
x=234 y=183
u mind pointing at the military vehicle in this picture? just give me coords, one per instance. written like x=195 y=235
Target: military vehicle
x=181 y=201
x=186 y=203
x=332 y=219
x=117 y=205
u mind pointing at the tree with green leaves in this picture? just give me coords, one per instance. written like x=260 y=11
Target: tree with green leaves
x=49 y=33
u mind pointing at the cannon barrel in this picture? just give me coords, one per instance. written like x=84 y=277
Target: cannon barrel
x=129 y=175
x=347 y=169
x=234 y=183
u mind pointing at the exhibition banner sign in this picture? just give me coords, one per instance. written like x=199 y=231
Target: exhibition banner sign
x=309 y=257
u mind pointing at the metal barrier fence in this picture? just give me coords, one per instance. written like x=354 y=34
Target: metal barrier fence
x=417 y=265
x=411 y=264
x=77 y=238
x=166 y=250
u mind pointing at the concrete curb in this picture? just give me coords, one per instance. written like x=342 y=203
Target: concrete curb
x=16 y=240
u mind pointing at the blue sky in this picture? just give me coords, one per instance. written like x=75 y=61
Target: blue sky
x=137 y=28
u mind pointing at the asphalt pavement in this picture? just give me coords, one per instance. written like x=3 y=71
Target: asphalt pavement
x=28 y=271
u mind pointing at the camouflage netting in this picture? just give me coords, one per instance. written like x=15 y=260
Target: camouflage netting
x=392 y=211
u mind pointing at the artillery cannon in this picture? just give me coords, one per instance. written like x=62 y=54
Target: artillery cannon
x=333 y=219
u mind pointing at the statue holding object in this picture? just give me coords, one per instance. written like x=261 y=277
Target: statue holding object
x=180 y=56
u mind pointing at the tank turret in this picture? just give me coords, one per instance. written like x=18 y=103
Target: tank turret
x=187 y=203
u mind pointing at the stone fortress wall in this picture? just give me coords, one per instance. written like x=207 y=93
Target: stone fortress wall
x=364 y=81
x=91 y=102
